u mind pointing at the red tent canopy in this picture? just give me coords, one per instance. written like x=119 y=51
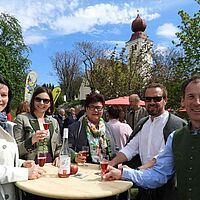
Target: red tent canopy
x=121 y=101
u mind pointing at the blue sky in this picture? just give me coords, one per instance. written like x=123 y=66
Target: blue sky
x=51 y=26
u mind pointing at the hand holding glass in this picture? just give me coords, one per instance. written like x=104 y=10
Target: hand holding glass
x=46 y=124
x=85 y=152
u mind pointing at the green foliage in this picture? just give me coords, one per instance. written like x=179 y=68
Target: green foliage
x=176 y=65
x=13 y=56
x=188 y=63
x=48 y=85
x=162 y=71
x=189 y=39
x=113 y=74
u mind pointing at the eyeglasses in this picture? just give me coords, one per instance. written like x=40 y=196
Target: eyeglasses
x=155 y=99
x=93 y=108
x=45 y=101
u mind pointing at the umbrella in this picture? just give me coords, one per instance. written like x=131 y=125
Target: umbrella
x=121 y=101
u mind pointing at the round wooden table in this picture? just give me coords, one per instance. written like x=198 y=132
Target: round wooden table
x=74 y=187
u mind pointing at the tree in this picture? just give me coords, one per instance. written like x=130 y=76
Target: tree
x=90 y=53
x=14 y=61
x=162 y=71
x=190 y=43
x=186 y=61
x=111 y=72
x=67 y=67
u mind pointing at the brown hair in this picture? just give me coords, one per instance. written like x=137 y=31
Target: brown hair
x=94 y=98
x=155 y=85
x=24 y=106
x=114 y=111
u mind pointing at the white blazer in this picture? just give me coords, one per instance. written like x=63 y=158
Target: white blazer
x=10 y=170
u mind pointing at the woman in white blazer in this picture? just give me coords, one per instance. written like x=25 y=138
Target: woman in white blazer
x=12 y=169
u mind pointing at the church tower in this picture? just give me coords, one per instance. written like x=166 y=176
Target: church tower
x=139 y=46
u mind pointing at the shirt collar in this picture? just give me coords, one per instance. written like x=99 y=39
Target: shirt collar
x=162 y=116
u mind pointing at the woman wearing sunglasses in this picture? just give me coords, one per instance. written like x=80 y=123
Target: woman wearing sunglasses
x=29 y=131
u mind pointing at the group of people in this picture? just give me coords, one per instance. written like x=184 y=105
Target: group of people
x=180 y=155
x=154 y=145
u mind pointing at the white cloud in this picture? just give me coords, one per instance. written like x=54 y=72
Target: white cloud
x=65 y=17
x=34 y=39
x=85 y=19
x=38 y=12
x=167 y=30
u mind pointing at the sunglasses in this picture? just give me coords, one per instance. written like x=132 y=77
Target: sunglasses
x=155 y=99
x=45 y=101
x=93 y=108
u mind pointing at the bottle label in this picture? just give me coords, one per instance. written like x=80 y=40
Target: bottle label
x=65 y=163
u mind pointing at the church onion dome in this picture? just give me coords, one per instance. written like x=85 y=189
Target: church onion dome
x=138 y=27
x=138 y=24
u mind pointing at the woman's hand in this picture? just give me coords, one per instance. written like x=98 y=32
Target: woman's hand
x=39 y=135
x=28 y=163
x=56 y=162
x=35 y=172
x=79 y=158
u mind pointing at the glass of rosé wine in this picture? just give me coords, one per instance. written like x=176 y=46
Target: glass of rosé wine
x=46 y=124
x=85 y=152
x=41 y=157
x=104 y=164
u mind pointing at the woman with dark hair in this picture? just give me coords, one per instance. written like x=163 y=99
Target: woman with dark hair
x=92 y=131
x=29 y=131
x=12 y=169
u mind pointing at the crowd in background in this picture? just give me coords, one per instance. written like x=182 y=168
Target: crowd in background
x=133 y=137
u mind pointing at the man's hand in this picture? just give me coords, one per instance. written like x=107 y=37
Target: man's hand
x=28 y=163
x=35 y=172
x=148 y=164
x=118 y=159
x=112 y=174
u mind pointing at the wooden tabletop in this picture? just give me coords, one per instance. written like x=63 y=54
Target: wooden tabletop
x=89 y=187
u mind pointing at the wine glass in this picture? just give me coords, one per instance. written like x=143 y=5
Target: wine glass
x=85 y=152
x=41 y=156
x=104 y=164
x=46 y=124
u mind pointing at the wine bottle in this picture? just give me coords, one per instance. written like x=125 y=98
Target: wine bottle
x=65 y=159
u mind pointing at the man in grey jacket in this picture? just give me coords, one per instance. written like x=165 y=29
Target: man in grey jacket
x=137 y=112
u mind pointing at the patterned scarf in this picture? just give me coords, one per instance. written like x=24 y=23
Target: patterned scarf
x=98 y=142
x=3 y=120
